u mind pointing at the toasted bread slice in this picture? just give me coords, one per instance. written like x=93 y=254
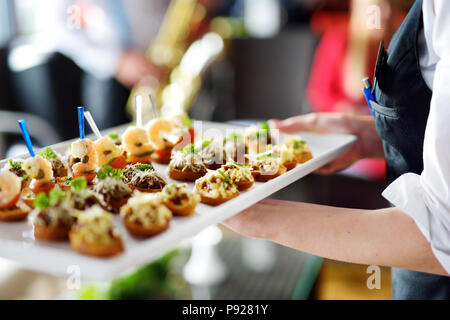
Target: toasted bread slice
x=244 y=185
x=181 y=210
x=145 y=232
x=188 y=176
x=290 y=165
x=19 y=213
x=97 y=250
x=259 y=177
x=216 y=201
x=51 y=233
x=305 y=157
x=143 y=190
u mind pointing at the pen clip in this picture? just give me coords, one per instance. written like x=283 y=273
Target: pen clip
x=381 y=60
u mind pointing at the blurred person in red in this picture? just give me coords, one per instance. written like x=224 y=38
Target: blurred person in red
x=346 y=54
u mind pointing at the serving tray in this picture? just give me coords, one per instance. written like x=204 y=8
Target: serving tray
x=17 y=242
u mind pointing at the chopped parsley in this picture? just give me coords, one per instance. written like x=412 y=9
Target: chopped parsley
x=79 y=184
x=145 y=167
x=109 y=172
x=49 y=154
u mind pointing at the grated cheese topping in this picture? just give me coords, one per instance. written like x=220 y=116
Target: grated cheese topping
x=96 y=226
x=146 y=210
x=187 y=162
x=179 y=195
x=238 y=173
x=214 y=185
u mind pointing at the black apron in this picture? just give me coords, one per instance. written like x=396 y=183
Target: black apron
x=401 y=114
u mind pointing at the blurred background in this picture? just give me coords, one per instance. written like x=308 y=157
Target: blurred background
x=219 y=60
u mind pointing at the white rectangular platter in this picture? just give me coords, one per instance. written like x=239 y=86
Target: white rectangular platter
x=56 y=258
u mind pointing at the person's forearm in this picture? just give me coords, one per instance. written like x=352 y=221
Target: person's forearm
x=384 y=237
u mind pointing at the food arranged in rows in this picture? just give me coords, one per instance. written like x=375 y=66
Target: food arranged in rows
x=74 y=196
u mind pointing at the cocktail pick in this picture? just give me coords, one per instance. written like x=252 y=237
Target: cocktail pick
x=81 y=122
x=92 y=124
x=139 y=111
x=26 y=137
x=155 y=111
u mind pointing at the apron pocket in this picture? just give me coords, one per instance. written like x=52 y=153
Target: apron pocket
x=384 y=111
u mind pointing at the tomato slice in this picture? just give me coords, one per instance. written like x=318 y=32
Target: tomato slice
x=11 y=204
x=163 y=154
x=119 y=163
x=41 y=187
x=78 y=171
x=136 y=159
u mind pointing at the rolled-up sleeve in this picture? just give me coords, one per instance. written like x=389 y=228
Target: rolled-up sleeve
x=426 y=197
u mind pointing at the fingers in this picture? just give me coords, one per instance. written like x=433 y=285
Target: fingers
x=295 y=124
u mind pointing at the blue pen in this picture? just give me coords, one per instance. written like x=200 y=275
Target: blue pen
x=368 y=93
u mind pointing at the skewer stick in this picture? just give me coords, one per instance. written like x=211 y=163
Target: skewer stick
x=155 y=111
x=26 y=137
x=92 y=124
x=81 y=123
x=139 y=111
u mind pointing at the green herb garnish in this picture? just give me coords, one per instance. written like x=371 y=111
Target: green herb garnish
x=188 y=122
x=145 y=167
x=169 y=187
x=113 y=136
x=109 y=172
x=243 y=165
x=145 y=154
x=55 y=196
x=233 y=137
x=15 y=165
x=226 y=178
x=264 y=126
x=25 y=177
x=78 y=184
x=297 y=144
x=42 y=201
x=49 y=154
x=207 y=143
x=189 y=149
x=268 y=155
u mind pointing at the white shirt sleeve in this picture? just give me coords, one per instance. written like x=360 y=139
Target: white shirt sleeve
x=426 y=198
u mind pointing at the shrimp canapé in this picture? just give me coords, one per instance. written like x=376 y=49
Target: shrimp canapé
x=84 y=159
x=40 y=171
x=10 y=187
x=109 y=153
x=164 y=135
x=137 y=145
x=11 y=208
